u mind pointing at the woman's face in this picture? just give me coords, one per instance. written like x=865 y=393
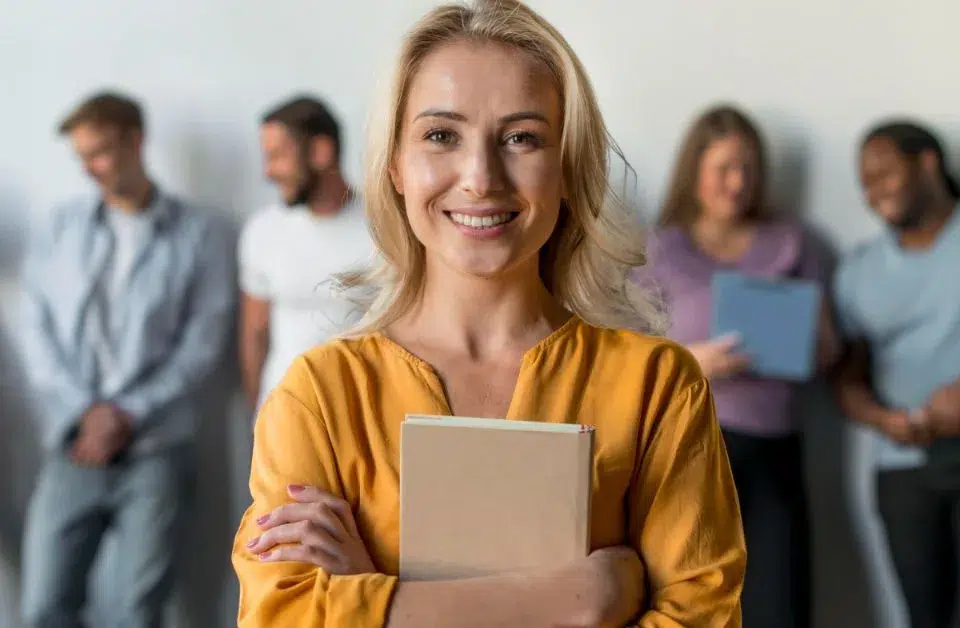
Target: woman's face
x=727 y=179
x=478 y=161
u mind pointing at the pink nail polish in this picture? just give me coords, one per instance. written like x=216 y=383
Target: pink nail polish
x=265 y=555
x=297 y=488
x=252 y=542
x=262 y=520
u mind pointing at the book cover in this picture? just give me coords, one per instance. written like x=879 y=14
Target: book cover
x=484 y=496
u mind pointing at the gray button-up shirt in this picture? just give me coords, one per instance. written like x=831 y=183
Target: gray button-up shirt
x=171 y=324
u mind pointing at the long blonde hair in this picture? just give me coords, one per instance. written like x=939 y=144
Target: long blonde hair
x=586 y=262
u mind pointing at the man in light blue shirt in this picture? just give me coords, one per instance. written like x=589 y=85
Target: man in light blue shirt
x=898 y=305
x=128 y=302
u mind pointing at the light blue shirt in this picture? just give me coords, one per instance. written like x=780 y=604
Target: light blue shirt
x=906 y=305
x=170 y=318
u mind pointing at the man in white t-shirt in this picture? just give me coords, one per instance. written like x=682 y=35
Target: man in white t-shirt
x=289 y=252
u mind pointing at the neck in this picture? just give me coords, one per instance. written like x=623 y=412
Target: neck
x=134 y=198
x=935 y=218
x=710 y=229
x=330 y=196
x=482 y=317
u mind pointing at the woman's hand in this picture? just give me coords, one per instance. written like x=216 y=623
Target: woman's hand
x=618 y=577
x=318 y=528
x=717 y=357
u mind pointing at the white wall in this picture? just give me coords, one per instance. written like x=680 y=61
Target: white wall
x=814 y=73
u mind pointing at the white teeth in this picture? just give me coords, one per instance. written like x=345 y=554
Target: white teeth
x=479 y=222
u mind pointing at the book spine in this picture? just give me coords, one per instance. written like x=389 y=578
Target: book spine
x=585 y=490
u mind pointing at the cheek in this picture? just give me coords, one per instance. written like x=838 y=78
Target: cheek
x=708 y=187
x=424 y=177
x=101 y=165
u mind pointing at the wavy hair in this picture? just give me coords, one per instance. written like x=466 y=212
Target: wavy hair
x=587 y=260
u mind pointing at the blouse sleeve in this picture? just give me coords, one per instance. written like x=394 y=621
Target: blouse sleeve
x=685 y=519
x=291 y=446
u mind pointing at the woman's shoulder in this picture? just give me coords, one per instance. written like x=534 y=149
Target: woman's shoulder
x=641 y=357
x=337 y=366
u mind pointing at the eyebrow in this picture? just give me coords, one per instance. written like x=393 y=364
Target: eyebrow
x=459 y=117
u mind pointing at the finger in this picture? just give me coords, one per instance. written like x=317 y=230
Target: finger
x=919 y=416
x=316 y=512
x=728 y=340
x=301 y=533
x=300 y=554
x=82 y=452
x=337 y=504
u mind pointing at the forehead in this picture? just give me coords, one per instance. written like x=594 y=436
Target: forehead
x=881 y=150
x=729 y=146
x=477 y=78
x=276 y=134
x=87 y=133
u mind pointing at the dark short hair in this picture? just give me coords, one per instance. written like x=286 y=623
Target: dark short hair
x=306 y=118
x=105 y=108
x=911 y=139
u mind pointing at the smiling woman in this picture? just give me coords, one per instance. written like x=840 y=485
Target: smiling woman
x=502 y=292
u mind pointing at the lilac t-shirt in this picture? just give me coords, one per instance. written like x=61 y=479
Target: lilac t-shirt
x=682 y=272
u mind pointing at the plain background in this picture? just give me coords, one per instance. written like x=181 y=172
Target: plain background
x=813 y=73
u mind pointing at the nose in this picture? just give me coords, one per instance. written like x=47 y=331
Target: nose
x=484 y=170
x=736 y=180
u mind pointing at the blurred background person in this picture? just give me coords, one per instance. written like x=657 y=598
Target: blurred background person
x=288 y=252
x=716 y=218
x=898 y=307
x=128 y=299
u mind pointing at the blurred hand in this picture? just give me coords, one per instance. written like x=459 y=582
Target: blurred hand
x=908 y=428
x=943 y=408
x=104 y=431
x=718 y=357
x=318 y=529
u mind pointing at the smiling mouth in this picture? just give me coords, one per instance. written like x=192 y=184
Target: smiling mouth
x=482 y=222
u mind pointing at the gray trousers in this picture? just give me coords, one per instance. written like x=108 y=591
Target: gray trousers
x=142 y=500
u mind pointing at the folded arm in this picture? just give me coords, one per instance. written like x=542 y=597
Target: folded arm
x=685 y=518
x=851 y=384
x=292 y=446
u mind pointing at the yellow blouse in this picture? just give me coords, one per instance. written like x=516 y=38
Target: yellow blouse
x=662 y=481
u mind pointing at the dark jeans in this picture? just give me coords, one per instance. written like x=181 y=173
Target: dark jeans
x=768 y=473
x=920 y=510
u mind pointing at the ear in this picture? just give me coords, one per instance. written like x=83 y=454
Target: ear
x=395 y=177
x=134 y=137
x=323 y=154
x=929 y=164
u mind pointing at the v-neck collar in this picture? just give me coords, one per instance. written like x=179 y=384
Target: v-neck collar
x=525 y=373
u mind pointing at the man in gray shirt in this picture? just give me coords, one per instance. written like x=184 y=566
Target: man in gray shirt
x=898 y=306
x=128 y=302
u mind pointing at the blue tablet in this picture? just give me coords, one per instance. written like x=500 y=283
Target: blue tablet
x=776 y=320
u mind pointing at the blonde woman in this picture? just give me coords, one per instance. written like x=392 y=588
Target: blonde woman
x=503 y=292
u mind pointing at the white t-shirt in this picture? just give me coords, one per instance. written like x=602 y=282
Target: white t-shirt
x=131 y=233
x=287 y=256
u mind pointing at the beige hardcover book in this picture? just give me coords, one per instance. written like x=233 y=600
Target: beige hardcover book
x=482 y=496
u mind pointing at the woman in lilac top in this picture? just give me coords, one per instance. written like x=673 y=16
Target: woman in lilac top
x=715 y=218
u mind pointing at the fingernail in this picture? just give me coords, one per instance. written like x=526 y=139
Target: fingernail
x=253 y=542
x=265 y=555
x=262 y=520
x=297 y=488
